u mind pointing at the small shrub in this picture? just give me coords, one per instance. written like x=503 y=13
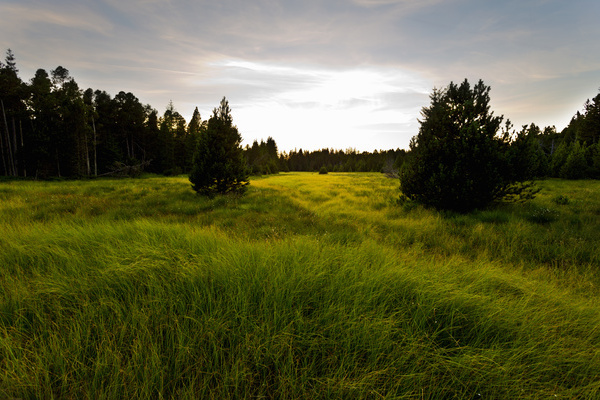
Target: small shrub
x=561 y=200
x=323 y=170
x=542 y=215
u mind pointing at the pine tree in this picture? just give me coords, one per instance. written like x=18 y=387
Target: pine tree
x=219 y=164
x=559 y=157
x=12 y=114
x=458 y=161
x=42 y=104
x=590 y=128
x=194 y=129
x=196 y=124
x=575 y=165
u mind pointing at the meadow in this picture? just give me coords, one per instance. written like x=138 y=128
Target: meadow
x=310 y=286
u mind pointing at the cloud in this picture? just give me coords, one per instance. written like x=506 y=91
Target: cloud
x=368 y=3
x=399 y=5
x=78 y=17
x=303 y=84
x=311 y=106
x=336 y=66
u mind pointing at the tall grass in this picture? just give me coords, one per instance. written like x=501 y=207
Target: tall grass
x=311 y=286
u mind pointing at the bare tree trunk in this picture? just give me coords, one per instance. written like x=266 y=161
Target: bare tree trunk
x=127 y=143
x=11 y=159
x=87 y=153
x=15 y=153
x=11 y=164
x=57 y=163
x=95 y=157
x=2 y=142
x=22 y=145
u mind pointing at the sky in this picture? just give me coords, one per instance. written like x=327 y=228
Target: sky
x=318 y=74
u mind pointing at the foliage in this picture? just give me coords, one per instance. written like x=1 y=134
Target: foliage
x=263 y=158
x=561 y=200
x=458 y=161
x=575 y=164
x=387 y=161
x=323 y=170
x=52 y=128
x=219 y=162
x=576 y=155
x=593 y=154
x=589 y=131
x=526 y=154
x=558 y=158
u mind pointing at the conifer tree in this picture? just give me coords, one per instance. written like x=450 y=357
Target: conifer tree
x=11 y=113
x=194 y=129
x=219 y=165
x=575 y=165
x=459 y=160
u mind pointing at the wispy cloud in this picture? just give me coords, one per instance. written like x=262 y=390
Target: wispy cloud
x=310 y=106
x=16 y=17
x=404 y=4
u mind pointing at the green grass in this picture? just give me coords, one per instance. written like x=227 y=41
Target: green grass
x=310 y=286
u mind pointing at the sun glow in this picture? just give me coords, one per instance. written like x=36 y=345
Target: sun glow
x=308 y=107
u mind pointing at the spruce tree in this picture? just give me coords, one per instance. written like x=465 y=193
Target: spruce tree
x=575 y=165
x=459 y=160
x=219 y=165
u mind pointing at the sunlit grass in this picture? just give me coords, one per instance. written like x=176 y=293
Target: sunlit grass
x=310 y=286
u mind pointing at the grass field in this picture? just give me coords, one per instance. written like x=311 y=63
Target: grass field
x=310 y=286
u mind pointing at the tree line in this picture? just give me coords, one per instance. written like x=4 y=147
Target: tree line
x=264 y=158
x=50 y=127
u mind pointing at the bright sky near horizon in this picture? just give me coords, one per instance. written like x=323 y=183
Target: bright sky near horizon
x=318 y=73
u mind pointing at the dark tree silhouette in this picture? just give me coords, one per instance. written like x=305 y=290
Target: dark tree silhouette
x=219 y=162
x=458 y=161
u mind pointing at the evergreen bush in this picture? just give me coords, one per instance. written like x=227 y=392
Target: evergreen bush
x=458 y=161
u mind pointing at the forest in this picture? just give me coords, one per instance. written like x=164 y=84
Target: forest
x=50 y=127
